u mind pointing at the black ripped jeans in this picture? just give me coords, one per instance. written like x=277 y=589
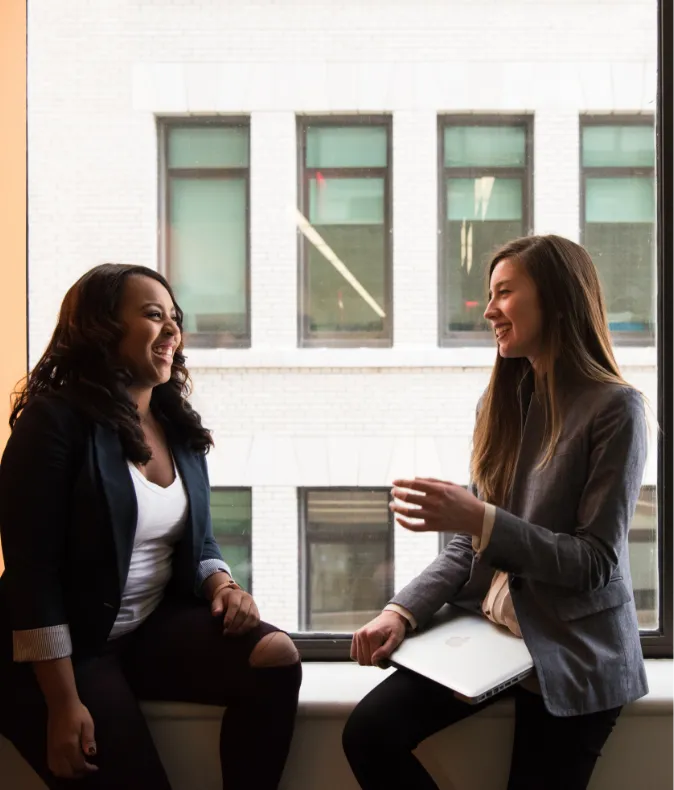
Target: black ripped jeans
x=178 y=654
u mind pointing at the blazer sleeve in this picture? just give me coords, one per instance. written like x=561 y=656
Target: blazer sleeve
x=586 y=559
x=37 y=477
x=439 y=582
x=211 y=558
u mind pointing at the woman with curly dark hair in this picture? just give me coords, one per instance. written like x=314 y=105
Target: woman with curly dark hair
x=114 y=588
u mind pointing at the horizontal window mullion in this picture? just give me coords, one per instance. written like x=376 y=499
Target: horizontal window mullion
x=339 y=539
x=208 y=172
x=618 y=172
x=485 y=172
x=346 y=172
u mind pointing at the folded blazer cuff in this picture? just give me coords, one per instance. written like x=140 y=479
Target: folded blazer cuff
x=480 y=543
x=208 y=568
x=42 y=644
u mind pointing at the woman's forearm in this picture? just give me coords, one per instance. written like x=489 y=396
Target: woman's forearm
x=57 y=681
x=213 y=582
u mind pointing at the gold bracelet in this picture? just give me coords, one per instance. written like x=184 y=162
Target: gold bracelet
x=231 y=583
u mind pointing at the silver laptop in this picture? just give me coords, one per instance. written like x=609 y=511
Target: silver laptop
x=467 y=653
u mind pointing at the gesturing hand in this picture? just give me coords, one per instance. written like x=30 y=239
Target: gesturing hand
x=240 y=610
x=442 y=506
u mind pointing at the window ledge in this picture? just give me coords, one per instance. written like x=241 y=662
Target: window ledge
x=331 y=690
x=396 y=357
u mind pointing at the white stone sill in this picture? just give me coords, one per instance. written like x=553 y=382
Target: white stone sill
x=396 y=357
x=331 y=690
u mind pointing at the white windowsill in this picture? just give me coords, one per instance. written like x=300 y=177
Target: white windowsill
x=331 y=690
x=396 y=357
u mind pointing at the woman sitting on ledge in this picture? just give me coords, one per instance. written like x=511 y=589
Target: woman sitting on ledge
x=114 y=588
x=541 y=544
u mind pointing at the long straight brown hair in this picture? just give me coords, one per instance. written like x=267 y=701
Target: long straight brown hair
x=575 y=339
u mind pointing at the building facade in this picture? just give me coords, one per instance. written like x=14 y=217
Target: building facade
x=322 y=187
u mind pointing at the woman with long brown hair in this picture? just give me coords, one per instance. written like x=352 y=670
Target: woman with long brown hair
x=114 y=588
x=541 y=537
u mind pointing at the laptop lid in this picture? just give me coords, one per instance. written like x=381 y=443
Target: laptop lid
x=467 y=653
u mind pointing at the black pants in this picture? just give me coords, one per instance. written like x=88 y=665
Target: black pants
x=178 y=654
x=549 y=753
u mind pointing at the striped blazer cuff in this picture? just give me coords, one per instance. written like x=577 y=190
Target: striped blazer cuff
x=208 y=568
x=42 y=644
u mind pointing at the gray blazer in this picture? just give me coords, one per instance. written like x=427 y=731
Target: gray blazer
x=563 y=541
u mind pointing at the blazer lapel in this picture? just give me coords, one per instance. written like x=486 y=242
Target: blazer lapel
x=119 y=494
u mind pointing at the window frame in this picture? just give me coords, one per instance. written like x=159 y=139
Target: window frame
x=452 y=339
x=304 y=598
x=607 y=119
x=234 y=540
x=164 y=127
x=659 y=644
x=305 y=338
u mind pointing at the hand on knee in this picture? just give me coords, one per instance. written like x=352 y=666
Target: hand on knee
x=274 y=650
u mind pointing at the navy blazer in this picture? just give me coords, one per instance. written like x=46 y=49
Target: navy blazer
x=68 y=516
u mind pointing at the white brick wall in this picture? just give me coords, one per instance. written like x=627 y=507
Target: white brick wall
x=100 y=73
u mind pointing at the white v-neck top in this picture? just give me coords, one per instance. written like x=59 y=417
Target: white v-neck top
x=162 y=513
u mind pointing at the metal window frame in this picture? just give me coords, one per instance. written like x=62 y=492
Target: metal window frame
x=325 y=646
x=235 y=540
x=452 y=339
x=586 y=120
x=306 y=338
x=659 y=645
x=164 y=127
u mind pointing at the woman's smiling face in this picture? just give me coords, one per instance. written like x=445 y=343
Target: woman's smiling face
x=151 y=334
x=514 y=311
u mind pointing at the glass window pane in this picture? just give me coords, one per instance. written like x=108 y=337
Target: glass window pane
x=482 y=214
x=618 y=146
x=348 y=214
x=238 y=557
x=341 y=511
x=207 y=250
x=620 y=237
x=211 y=147
x=231 y=517
x=231 y=512
x=351 y=146
x=346 y=201
x=644 y=558
x=485 y=198
x=485 y=146
x=630 y=199
x=349 y=585
x=350 y=572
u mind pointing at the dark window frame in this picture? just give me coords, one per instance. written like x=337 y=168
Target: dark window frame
x=607 y=119
x=336 y=537
x=452 y=339
x=236 y=540
x=306 y=338
x=164 y=127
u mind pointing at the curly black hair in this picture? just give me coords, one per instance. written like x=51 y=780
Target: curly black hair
x=81 y=364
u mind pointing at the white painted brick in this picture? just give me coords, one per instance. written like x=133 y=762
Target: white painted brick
x=99 y=73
